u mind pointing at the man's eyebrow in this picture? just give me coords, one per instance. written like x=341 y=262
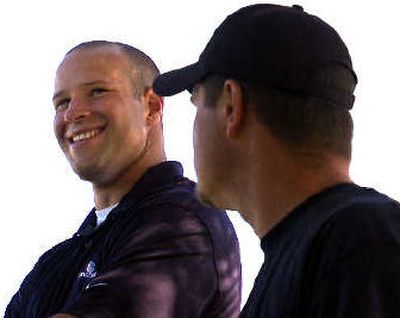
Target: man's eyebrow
x=58 y=94
x=95 y=82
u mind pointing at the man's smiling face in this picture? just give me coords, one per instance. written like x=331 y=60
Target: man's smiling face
x=100 y=121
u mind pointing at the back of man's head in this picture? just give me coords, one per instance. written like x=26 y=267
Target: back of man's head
x=304 y=123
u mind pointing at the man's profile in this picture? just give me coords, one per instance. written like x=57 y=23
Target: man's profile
x=273 y=91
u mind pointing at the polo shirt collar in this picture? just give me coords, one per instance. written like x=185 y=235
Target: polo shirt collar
x=153 y=180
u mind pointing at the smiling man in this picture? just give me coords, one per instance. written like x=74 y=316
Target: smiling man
x=148 y=248
x=272 y=137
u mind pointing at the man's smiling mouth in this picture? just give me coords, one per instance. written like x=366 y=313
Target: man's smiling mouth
x=85 y=135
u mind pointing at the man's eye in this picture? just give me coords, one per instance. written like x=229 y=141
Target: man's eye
x=62 y=104
x=97 y=91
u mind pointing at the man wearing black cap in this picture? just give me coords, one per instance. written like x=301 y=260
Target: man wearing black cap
x=272 y=137
x=148 y=248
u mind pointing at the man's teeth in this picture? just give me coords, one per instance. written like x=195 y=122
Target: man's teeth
x=85 y=135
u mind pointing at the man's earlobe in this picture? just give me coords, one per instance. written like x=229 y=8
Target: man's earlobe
x=234 y=108
x=155 y=106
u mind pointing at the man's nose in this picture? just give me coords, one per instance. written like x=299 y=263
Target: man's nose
x=77 y=109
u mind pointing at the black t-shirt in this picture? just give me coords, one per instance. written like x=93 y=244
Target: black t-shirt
x=159 y=253
x=336 y=255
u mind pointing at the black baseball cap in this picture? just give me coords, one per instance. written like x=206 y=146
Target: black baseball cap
x=272 y=45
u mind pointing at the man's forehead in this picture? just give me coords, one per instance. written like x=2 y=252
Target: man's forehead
x=98 y=57
x=102 y=49
x=84 y=64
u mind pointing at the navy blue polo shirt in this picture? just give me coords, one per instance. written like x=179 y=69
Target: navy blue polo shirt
x=159 y=253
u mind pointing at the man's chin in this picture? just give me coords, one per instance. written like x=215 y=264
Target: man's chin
x=86 y=173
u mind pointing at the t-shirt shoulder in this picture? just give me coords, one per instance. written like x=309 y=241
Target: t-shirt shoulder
x=368 y=220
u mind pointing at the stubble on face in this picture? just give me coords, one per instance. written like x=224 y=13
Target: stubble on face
x=209 y=151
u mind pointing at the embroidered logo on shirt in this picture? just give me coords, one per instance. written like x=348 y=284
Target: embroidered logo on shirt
x=89 y=272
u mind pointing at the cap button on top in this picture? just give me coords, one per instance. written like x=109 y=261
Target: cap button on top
x=298 y=7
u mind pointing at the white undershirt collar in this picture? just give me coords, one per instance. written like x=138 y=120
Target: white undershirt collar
x=103 y=213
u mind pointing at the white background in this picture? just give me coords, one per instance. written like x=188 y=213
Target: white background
x=43 y=202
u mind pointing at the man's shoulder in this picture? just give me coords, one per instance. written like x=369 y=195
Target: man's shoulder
x=365 y=218
x=372 y=199
x=350 y=205
x=357 y=249
x=179 y=200
x=366 y=209
x=172 y=209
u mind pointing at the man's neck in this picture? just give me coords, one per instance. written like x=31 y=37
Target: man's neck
x=110 y=193
x=272 y=193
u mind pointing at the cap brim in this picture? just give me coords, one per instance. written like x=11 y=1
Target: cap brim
x=176 y=81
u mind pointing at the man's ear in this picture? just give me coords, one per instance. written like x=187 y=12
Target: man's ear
x=234 y=111
x=154 y=107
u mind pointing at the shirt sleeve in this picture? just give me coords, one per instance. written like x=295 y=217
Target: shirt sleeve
x=165 y=269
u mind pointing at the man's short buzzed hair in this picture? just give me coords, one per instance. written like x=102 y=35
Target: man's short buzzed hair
x=146 y=69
